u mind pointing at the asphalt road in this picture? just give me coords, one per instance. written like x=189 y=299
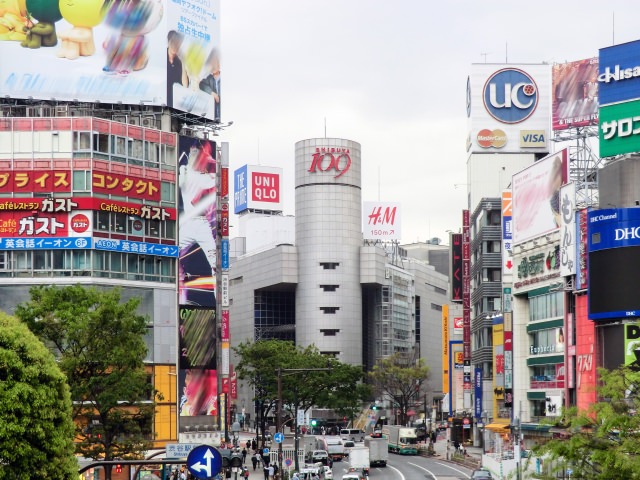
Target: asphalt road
x=410 y=467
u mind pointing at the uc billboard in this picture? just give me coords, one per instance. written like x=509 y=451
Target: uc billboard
x=508 y=108
x=117 y=52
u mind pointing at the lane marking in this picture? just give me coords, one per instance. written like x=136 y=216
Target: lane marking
x=426 y=470
x=397 y=471
x=459 y=471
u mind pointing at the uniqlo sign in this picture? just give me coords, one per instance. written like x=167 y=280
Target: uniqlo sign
x=257 y=188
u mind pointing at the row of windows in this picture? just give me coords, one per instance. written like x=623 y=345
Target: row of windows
x=87 y=263
x=549 y=305
x=129 y=225
x=547 y=341
x=124 y=149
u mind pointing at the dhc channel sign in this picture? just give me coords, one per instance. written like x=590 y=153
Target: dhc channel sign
x=510 y=95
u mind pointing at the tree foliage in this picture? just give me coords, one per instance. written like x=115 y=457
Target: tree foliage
x=36 y=429
x=99 y=342
x=604 y=441
x=340 y=387
x=402 y=379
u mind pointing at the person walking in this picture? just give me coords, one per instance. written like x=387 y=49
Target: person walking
x=254 y=461
x=271 y=471
x=244 y=455
x=266 y=472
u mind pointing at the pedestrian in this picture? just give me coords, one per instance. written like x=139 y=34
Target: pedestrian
x=266 y=472
x=244 y=456
x=271 y=471
x=433 y=437
x=254 y=461
x=254 y=444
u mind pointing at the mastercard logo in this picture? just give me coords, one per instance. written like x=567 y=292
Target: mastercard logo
x=492 y=138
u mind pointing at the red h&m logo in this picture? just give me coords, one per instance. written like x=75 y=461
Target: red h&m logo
x=380 y=217
x=331 y=158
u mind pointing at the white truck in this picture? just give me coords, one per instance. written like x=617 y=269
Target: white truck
x=359 y=459
x=378 y=451
x=403 y=440
x=333 y=445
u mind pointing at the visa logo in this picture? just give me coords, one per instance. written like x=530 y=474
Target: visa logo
x=532 y=138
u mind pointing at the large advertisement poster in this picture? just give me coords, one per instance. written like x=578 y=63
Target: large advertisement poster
x=197 y=225
x=536 y=197
x=113 y=51
x=381 y=221
x=632 y=345
x=575 y=94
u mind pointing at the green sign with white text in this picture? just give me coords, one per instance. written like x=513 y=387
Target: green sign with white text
x=619 y=129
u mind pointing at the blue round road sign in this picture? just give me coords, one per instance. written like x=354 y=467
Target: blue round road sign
x=204 y=461
x=278 y=437
x=265 y=451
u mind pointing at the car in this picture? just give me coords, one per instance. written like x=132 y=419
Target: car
x=352 y=476
x=327 y=473
x=348 y=445
x=481 y=474
x=318 y=456
x=377 y=433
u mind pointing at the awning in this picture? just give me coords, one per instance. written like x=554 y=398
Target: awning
x=498 y=427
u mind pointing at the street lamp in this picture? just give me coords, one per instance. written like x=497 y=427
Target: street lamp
x=290 y=371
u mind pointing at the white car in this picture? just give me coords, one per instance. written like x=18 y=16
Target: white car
x=327 y=474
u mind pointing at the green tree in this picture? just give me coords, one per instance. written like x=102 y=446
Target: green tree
x=604 y=441
x=36 y=429
x=303 y=387
x=99 y=342
x=401 y=379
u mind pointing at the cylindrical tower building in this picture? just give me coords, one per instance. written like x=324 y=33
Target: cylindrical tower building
x=328 y=239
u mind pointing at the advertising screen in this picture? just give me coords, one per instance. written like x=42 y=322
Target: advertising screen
x=199 y=393
x=197 y=221
x=508 y=108
x=619 y=80
x=197 y=338
x=575 y=94
x=152 y=52
x=536 y=197
x=613 y=279
x=619 y=132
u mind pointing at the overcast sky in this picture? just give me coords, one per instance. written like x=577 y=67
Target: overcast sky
x=390 y=75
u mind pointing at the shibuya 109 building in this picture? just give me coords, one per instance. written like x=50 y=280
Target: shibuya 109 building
x=334 y=275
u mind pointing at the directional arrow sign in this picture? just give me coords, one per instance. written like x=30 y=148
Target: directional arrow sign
x=278 y=437
x=204 y=461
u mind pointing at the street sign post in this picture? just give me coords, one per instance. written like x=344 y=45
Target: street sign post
x=204 y=461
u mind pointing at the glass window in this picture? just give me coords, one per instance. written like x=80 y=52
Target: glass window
x=170 y=229
x=135 y=149
x=81 y=180
x=168 y=192
x=152 y=228
x=80 y=263
x=82 y=141
x=120 y=223
x=22 y=260
x=42 y=259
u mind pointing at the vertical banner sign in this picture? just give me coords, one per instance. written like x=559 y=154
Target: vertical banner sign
x=222 y=292
x=445 y=348
x=224 y=220
x=224 y=251
x=466 y=302
x=507 y=234
x=234 y=384
x=568 y=230
x=477 y=393
x=582 y=275
x=225 y=326
x=224 y=183
x=456 y=267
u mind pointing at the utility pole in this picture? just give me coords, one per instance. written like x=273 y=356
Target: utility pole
x=279 y=373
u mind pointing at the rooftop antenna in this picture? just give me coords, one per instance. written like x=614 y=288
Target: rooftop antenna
x=378 y=182
x=325 y=127
x=484 y=54
x=506 y=52
x=613 y=28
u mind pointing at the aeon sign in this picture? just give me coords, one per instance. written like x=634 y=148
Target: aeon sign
x=510 y=95
x=331 y=159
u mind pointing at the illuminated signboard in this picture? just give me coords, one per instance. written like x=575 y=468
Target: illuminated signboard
x=575 y=94
x=257 y=188
x=381 y=221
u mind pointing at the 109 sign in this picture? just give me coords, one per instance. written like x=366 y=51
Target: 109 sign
x=327 y=159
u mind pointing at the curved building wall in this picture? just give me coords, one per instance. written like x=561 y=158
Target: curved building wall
x=328 y=237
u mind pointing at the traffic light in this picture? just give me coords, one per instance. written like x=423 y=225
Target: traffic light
x=314 y=423
x=118 y=468
x=230 y=459
x=374 y=407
